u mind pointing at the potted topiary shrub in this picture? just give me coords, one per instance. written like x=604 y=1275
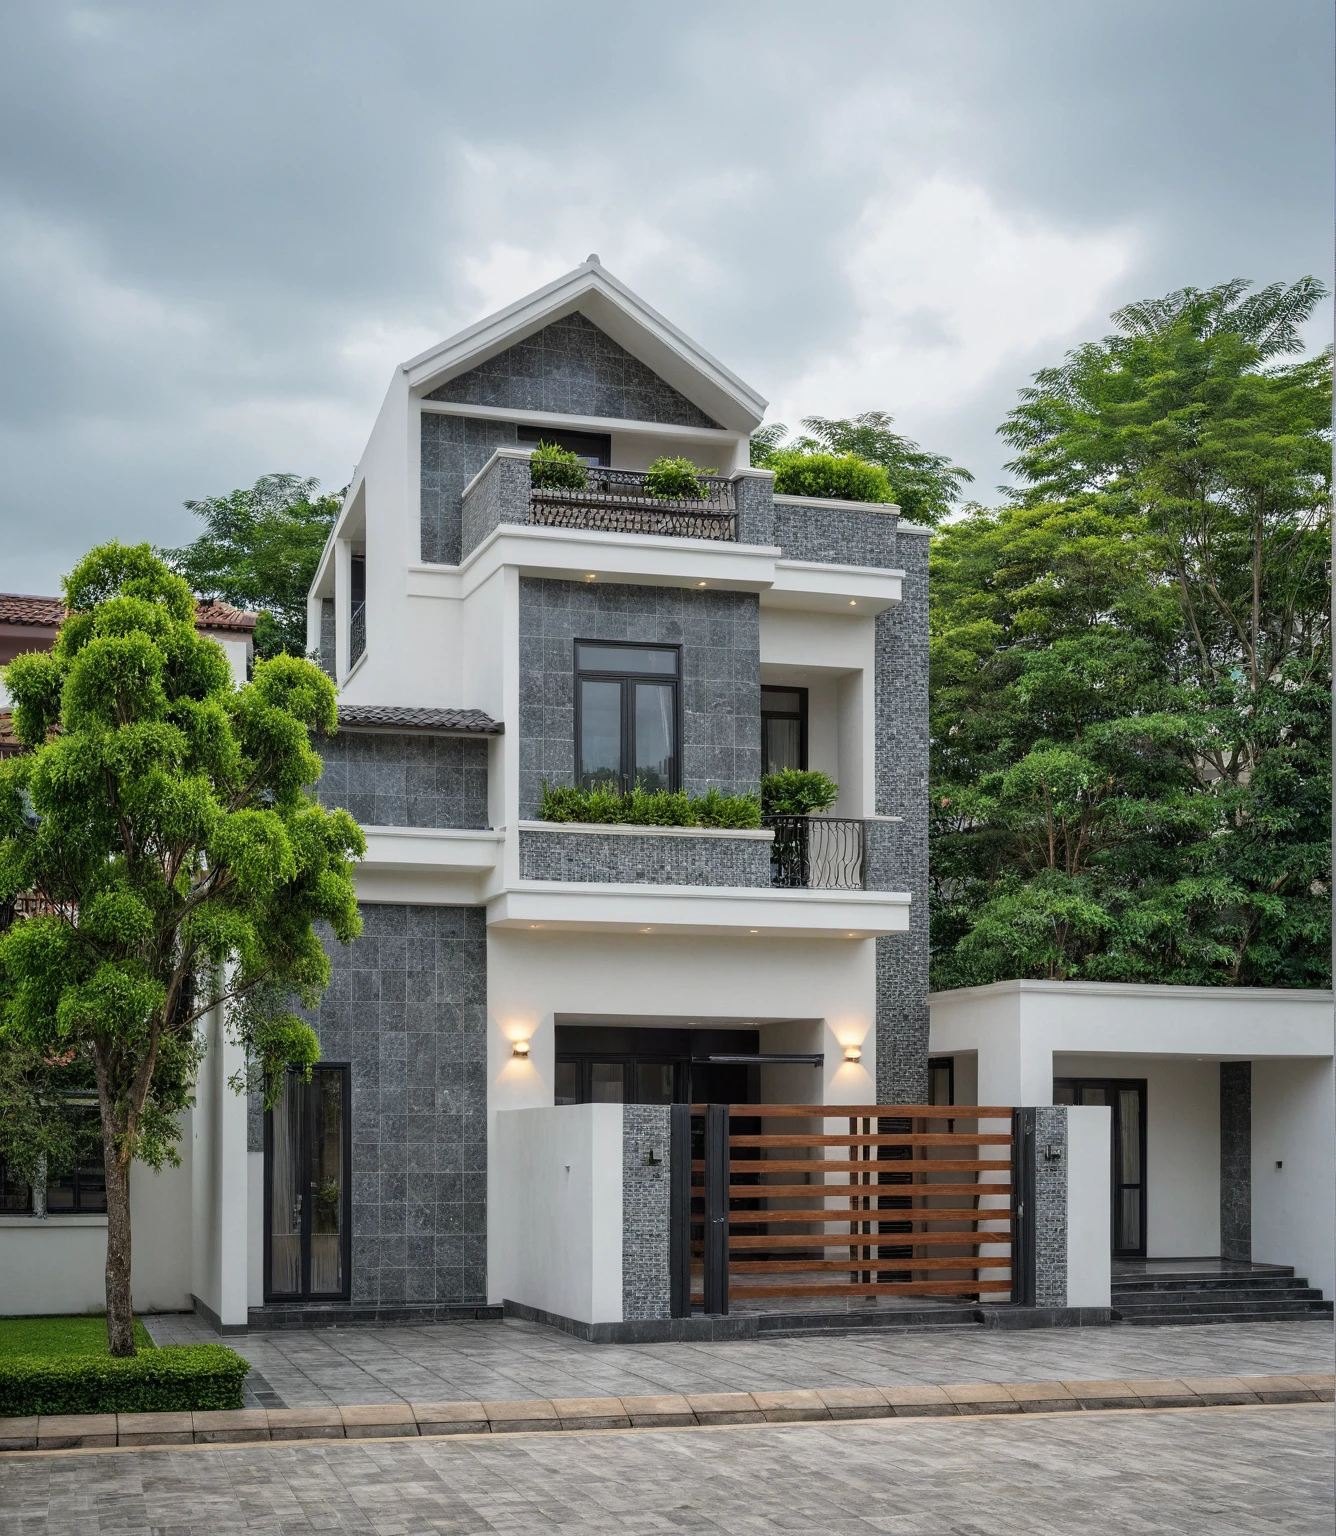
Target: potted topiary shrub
x=553 y=468
x=829 y=476
x=675 y=480
x=787 y=796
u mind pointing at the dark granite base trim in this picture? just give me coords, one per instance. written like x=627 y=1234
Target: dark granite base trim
x=758 y=1325
x=214 y=1321
x=276 y=1317
x=1045 y=1317
x=664 y=1330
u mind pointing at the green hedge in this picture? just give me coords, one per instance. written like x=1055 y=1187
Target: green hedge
x=828 y=476
x=180 y=1377
x=649 y=807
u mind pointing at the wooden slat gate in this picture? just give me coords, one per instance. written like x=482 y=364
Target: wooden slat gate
x=802 y=1200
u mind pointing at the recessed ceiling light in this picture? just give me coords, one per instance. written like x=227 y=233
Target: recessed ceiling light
x=647 y=930
x=591 y=577
x=853 y=602
x=753 y=930
x=700 y=583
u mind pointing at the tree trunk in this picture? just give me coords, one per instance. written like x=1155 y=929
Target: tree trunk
x=120 y=1317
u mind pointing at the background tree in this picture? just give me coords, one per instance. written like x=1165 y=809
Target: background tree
x=164 y=816
x=259 y=551
x=1131 y=664
x=926 y=485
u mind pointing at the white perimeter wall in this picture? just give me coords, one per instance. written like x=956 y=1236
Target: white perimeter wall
x=1292 y=1205
x=556 y=1233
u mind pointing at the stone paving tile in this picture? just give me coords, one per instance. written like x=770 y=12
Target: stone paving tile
x=479 y=1361
x=1235 y=1472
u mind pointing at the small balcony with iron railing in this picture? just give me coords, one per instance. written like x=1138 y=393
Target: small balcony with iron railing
x=818 y=853
x=620 y=501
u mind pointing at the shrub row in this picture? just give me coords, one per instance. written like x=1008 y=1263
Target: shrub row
x=829 y=476
x=176 y=1379
x=604 y=803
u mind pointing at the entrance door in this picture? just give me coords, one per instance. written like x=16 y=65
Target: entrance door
x=307 y=1194
x=1127 y=1098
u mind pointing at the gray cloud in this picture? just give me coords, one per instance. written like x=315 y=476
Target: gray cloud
x=221 y=227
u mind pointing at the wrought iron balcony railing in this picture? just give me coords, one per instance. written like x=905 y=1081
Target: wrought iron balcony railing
x=616 y=501
x=356 y=633
x=817 y=853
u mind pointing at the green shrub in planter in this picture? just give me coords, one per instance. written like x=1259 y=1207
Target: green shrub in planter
x=830 y=476
x=552 y=468
x=172 y=1380
x=675 y=480
x=798 y=792
x=604 y=804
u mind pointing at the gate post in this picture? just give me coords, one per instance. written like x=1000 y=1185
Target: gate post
x=716 y=1209
x=1023 y=1207
x=679 y=1217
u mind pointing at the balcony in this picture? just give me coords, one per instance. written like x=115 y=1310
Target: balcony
x=818 y=853
x=616 y=501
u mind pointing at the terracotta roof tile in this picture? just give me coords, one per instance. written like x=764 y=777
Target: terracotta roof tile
x=17 y=608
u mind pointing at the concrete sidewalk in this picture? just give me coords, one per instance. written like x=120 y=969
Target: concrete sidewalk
x=459 y=1362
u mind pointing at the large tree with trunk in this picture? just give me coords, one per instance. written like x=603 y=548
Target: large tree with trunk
x=163 y=818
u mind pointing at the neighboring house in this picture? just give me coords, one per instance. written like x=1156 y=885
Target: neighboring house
x=487 y=636
x=1220 y=1099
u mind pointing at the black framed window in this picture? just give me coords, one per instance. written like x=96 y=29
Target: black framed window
x=15 y=1194
x=595 y=448
x=628 y=712
x=941 y=1080
x=783 y=729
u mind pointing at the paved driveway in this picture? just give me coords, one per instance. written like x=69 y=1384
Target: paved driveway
x=466 y=1361
x=1216 y=1472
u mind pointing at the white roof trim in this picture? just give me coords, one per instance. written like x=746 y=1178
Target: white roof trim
x=621 y=314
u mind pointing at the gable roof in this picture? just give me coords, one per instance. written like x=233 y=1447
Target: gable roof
x=591 y=290
x=49 y=612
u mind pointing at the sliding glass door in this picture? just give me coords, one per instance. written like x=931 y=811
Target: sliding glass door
x=308 y=1155
x=1126 y=1097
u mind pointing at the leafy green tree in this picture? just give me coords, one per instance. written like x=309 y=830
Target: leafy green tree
x=1131 y=664
x=259 y=551
x=926 y=485
x=164 y=817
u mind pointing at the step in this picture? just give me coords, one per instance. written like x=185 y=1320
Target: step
x=1241 y=1311
x=1212 y=1298
x=1195 y=1282
x=1155 y=1320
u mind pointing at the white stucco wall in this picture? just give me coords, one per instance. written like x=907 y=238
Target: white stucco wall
x=1089 y=1267
x=57 y=1265
x=1292 y=1205
x=220 y=1184
x=556 y=1235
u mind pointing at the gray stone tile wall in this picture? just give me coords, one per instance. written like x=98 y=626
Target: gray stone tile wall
x=719 y=633
x=328 y=640
x=620 y=858
x=572 y=368
x=645 y=1212
x=407 y=1006
x=408 y=779
x=1236 y=1160
x=454 y=449
x=500 y=496
x=898 y=851
x=756 y=507
x=1050 y=1208
x=835 y=536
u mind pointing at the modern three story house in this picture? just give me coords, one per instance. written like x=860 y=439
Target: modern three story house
x=489 y=635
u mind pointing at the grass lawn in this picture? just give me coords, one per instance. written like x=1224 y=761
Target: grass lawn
x=61 y=1336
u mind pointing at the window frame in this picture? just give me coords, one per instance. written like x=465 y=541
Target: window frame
x=785 y=714
x=628 y=680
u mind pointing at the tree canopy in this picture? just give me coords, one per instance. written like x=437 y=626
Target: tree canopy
x=925 y=485
x=259 y=550
x=1131 y=664
x=163 y=819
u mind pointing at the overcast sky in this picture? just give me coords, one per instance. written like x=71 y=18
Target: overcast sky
x=221 y=226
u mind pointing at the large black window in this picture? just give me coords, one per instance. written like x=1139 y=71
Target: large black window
x=80 y=1192
x=595 y=448
x=627 y=714
x=783 y=729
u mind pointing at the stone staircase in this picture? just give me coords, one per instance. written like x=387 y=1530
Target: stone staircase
x=1229 y=1293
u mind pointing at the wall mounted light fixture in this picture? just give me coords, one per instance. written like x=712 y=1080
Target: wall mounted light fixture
x=520 y=1048
x=853 y=1053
